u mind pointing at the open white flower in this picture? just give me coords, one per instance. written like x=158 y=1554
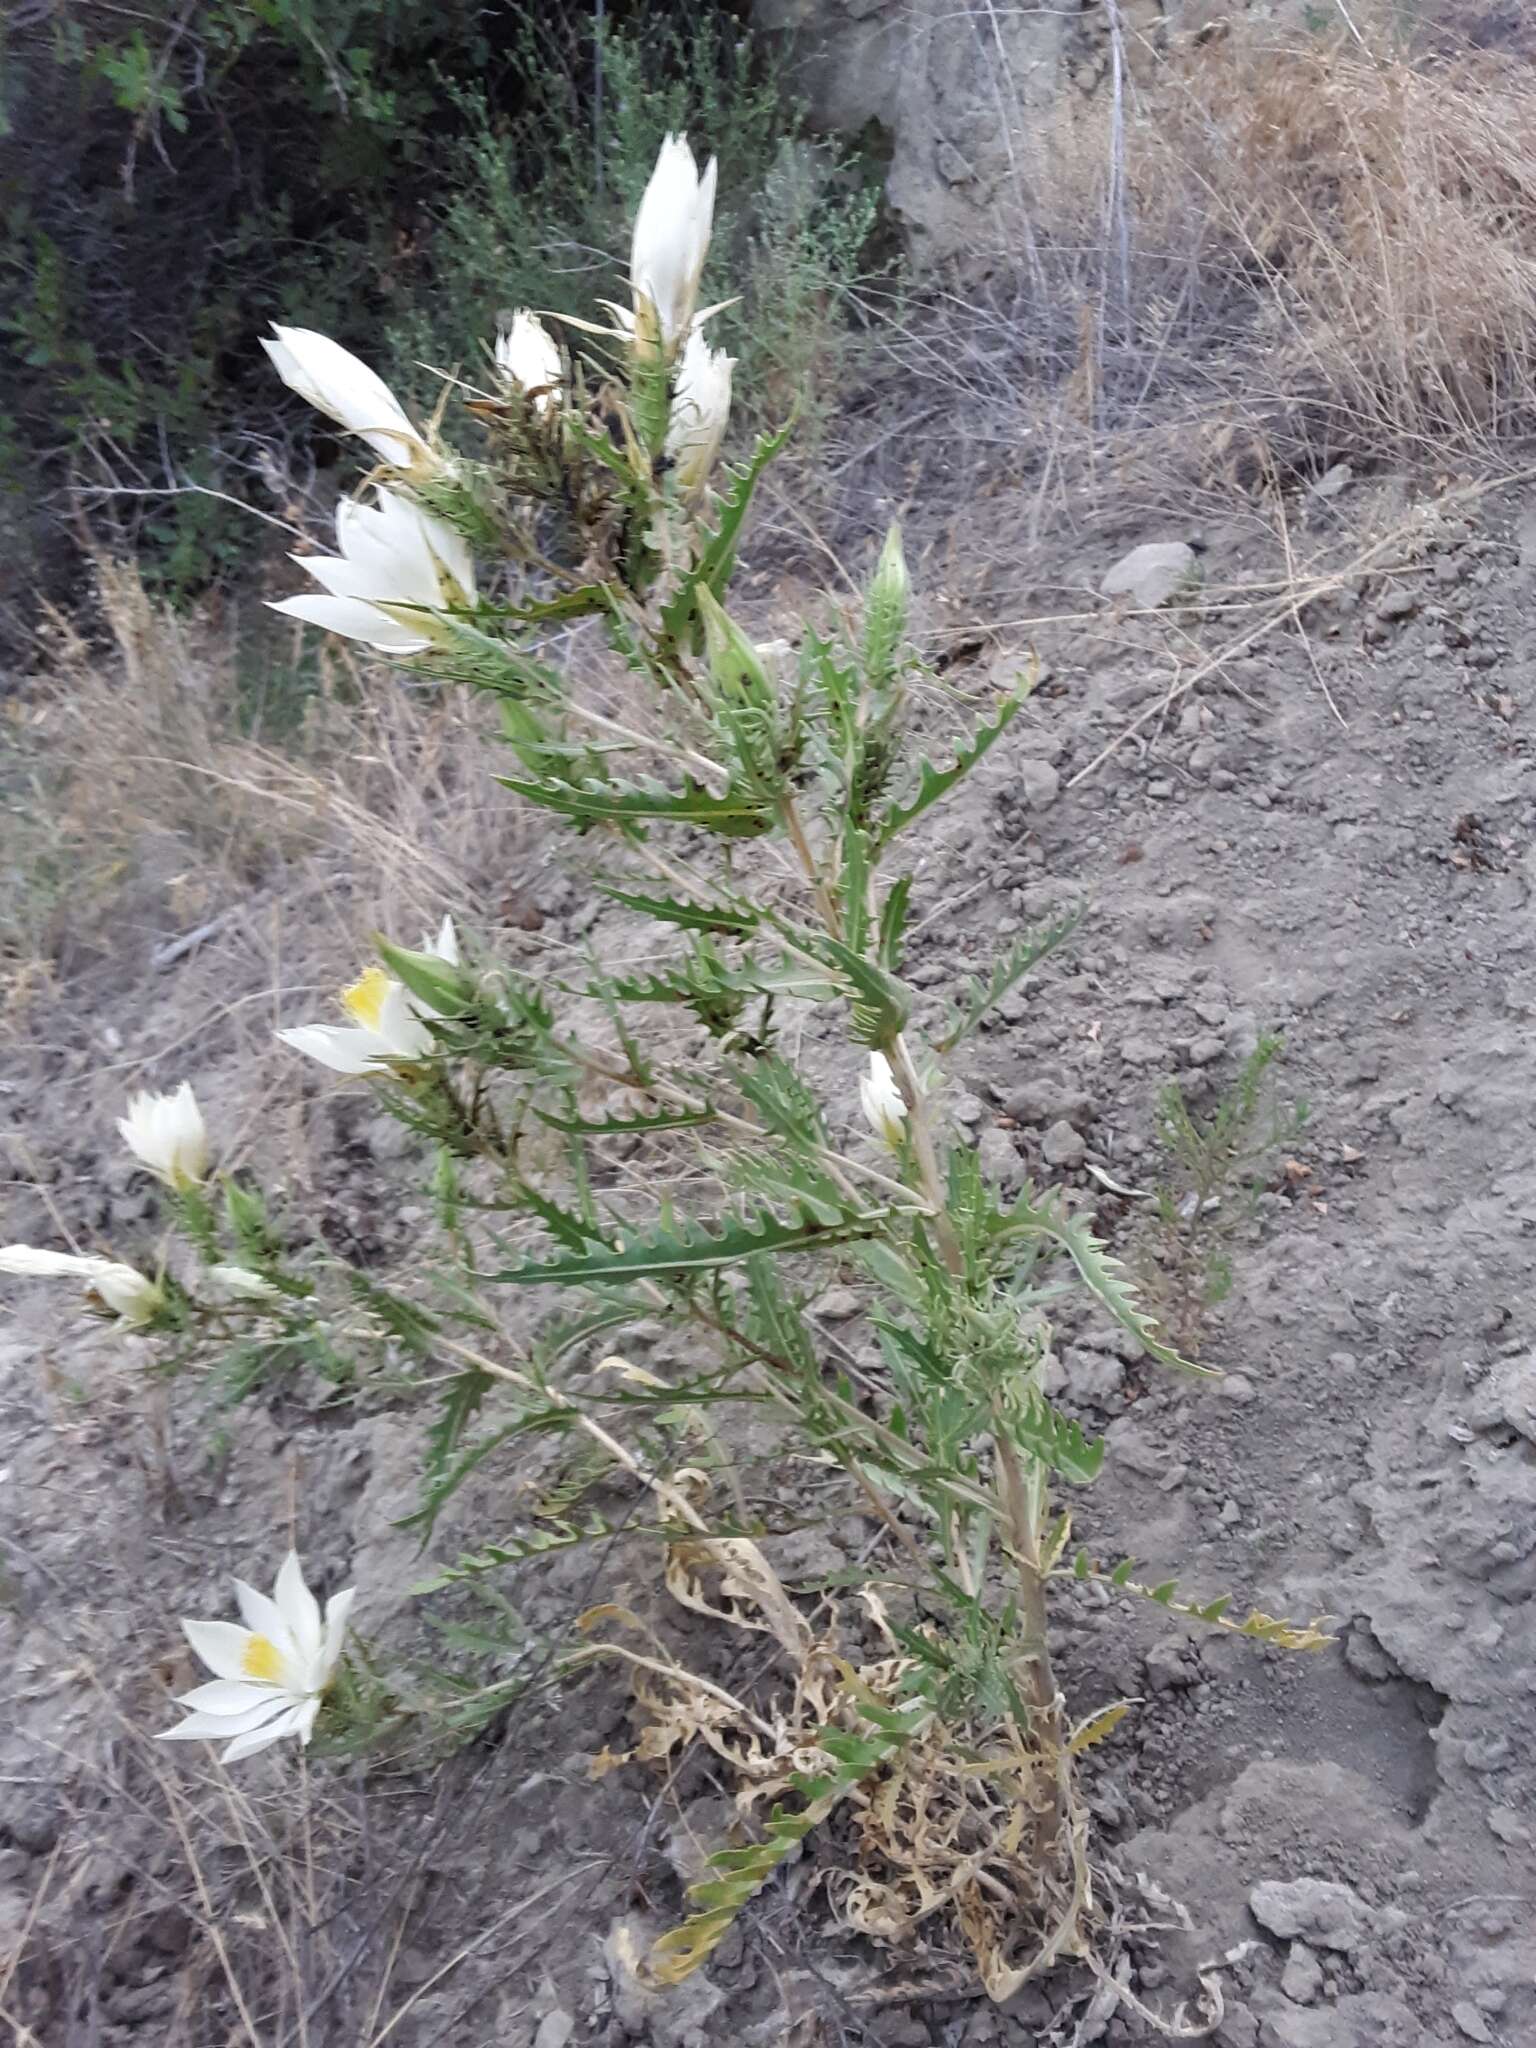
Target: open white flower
x=526 y=352
x=268 y=1677
x=386 y=1018
x=701 y=404
x=882 y=1102
x=348 y=392
x=167 y=1134
x=397 y=566
x=671 y=240
x=128 y=1293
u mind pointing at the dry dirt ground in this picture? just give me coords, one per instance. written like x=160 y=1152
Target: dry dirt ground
x=1329 y=835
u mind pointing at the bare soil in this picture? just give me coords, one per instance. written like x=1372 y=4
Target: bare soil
x=1325 y=828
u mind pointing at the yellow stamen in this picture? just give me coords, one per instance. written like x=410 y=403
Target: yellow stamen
x=262 y=1659
x=364 y=1000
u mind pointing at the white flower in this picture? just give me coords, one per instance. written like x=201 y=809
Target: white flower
x=166 y=1133
x=386 y=1016
x=127 y=1292
x=670 y=242
x=397 y=565
x=386 y=1025
x=241 y=1281
x=347 y=391
x=526 y=352
x=882 y=1102
x=701 y=404
x=268 y=1676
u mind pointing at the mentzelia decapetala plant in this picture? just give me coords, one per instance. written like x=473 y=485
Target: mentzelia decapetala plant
x=631 y=1134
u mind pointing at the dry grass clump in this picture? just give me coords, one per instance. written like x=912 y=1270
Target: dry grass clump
x=175 y=753
x=1325 y=244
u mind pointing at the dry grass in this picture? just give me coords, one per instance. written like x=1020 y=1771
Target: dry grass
x=149 y=758
x=1270 y=252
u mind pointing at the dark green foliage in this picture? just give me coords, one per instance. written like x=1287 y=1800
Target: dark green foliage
x=396 y=175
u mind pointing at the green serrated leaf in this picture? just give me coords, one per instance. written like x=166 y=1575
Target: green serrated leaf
x=893 y=923
x=626 y=1126
x=979 y=995
x=735 y=917
x=933 y=783
x=1103 y=1273
x=1056 y=1441
x=737 y=814
x=696 y=1248
x=717 y=555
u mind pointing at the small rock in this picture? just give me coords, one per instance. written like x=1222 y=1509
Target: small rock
x=1062 y=1146
x=1469 y=2021
x=1302 y=1978
x=1397 y=603
x=1311 y=1909
x=1140 y=1052
x=1038 y=783
x=998 y=1157
x=1507 y=1824
x=1153 y=573
x=838 y=1304
x=1095 y=1377
x=1365 y=1656
x=555 y=2030
x=1044 y=1100
x=1206 y=1048
x=1332 y=481
x=1170 y=1667
x=1238 y=1389
x=1131 y=1446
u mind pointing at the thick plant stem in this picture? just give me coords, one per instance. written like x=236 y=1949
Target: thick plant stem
x=1021 y=1515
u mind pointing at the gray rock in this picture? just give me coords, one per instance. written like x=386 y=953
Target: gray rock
x=838 y=1304
x=1238 y=1389
x=1171 y=1667
x=1302 y=1978
x=1397 y=603
x=1093 y=1376
x=998 y=1157
x=555 y=2030
x=1062 y=1146
x=1313 y=1910
x=1039 y=784
x=1470 y=2022
x=1047 y=1099
x=1153 y=573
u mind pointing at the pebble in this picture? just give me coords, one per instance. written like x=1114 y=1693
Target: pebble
x=1302 y=1978
x=1400 y=602
x=1044 y=1101
x=1206 y=1048
x=998 y=1158
x=555 y=2030
x=1039 y=784
x=1153 y=573
x=1311 y=1909
x=1470 y=2022
x=838 y=1304
x=1062 y=1146
x=1238 y=1388
x=1170 y=1668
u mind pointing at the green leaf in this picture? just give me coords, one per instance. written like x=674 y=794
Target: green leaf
x=1056 y=1441
x=879 y=1004
x=444 y=988
x=1264 y=1628
x=626 y=1126
x=734 y=916
x=697 y=1248
x=735 y=815
x=979 y=996
x=1103 y=1273
x=893 y=922
x=934 y=783
x=717 y=556
x=476 y=1564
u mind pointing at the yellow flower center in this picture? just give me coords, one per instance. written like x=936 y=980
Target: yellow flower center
x=364 y=1000
x=262 y=1659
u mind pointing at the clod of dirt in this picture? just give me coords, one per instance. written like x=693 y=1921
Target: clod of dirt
x=1302 y=1978
x=1151 y=574
x=1311 y=1909
x=1062 y=1146
x=1038 y=783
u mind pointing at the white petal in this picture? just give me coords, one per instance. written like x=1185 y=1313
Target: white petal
x=337 y=1610
x=221 y=1645
x=341 y=1048
x=129 y=1294
x=43 y=1265
x=263 y=1617
x=446 y=944
x=353 y=619
x=217 y=1727
x=401 y=1028
x=304 y=1718
x=299 y=1609
x=333 y=380
x=294 y=1723
x=240 y=1280
x=233 y=1696
x=350 y=576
